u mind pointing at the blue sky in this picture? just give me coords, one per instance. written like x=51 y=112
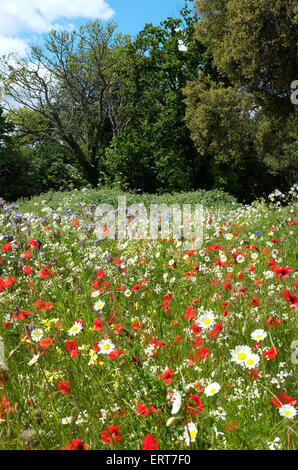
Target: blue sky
x=131 y=15
x=26 y=21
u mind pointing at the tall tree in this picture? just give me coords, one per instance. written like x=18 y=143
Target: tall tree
x=69 y=91
x=255 y=42
x=156 y=152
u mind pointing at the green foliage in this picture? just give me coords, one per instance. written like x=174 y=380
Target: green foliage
x=255 y=43
x=105 y=195
x=155 y=151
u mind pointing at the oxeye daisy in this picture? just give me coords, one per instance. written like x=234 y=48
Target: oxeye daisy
x=212 y=389
x=240 y=354
x=75 y=329
x=106 y=346
x=176 y=402
x=99 y=305
x=254 y=255
x=127 y=293
x=95 y=293
x=206 y=321
x=287 y=411
x=229 y=236
x=66 y=420
x=258 y=335
x=251 y=361
x=171 y=262
x=223 y=258
x=33 y=360
x=190 y=433
x=36 y=334
x=240 y=259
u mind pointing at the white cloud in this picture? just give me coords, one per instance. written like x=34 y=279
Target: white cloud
x=37 y=16
x=10 y=44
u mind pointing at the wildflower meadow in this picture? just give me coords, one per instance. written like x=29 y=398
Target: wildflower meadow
x=140 y=344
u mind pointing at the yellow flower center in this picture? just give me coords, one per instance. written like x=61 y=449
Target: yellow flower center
x=288 y=413
x=192 y=434
x=207 y=321
x=106 y=347
x=213 y=390
x=241 y=356
x=37 y=334
x=259 y=336
x=250 y=362
x=75 y=328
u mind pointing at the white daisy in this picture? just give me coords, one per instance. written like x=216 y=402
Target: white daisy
x=34 y=359
x=66 y=420
x=75 y=329
x=258 y=335
x=127 y=293
x=190 y=433
x=240 y=354
x=106 y=346
x=36 y=334
x=240 y=259
x=206 y=321
x=287 y=411
x=95 y=293
x=176 y=402
x=251 y=361
x=211 y=389
x=99 y=305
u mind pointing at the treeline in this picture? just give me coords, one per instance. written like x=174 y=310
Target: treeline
x=202 y=101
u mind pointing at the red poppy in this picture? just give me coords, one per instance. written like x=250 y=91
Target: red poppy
x=6 y=247
x=33 y=243
x=111 y=433
x=97 y=323
x=196 y=407
x=149 y=443
x=101 y=274
x=115 y=353
x=27 y=269
x=283 y=272
x=45 y=343
x=76 y=444
x=166 y=376
x=270 y=353
x=64 y=387
x=281 y=399
x=255 y=302
x=291 y=299
x=45 y=273
x=190 y=313
x=72 y=348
